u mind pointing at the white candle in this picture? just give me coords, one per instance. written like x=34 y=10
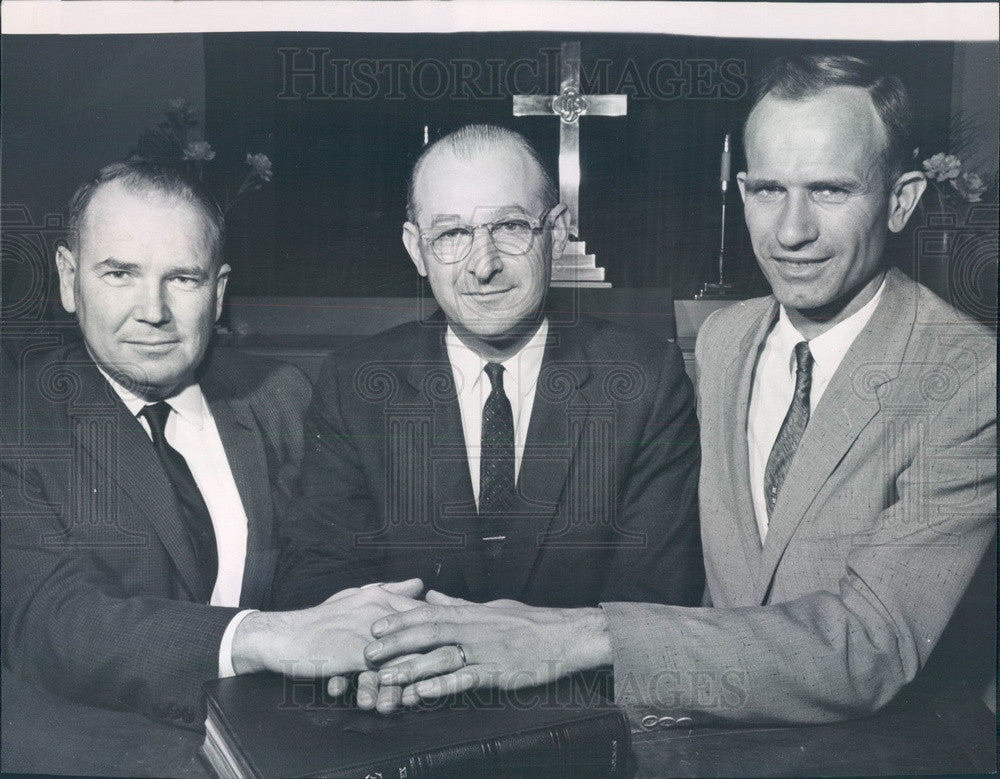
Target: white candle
x=724 y=174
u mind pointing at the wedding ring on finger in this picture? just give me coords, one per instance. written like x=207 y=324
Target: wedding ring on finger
x=461 y=655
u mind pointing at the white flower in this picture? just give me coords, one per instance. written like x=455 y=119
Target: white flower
x=200 y=151
x=260 y=166
x=970 y=187
x=942 y=166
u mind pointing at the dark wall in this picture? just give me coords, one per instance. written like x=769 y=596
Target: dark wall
x=72 y=104
x=342 y=143
x=344 y=128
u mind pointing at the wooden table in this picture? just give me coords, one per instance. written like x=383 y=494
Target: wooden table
x=950 y=734
x=916 y=734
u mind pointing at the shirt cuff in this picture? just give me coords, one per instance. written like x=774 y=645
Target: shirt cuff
x=226 y=645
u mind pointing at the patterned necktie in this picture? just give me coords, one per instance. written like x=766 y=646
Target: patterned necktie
x=496 y=465
x=791 y=430
x=197 y=519
x=496 y=475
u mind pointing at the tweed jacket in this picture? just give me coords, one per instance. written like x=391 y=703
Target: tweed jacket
x=885 y=513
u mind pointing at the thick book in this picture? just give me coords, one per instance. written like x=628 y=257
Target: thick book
x=265 y=725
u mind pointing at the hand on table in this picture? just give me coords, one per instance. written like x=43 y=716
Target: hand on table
x=450 y=645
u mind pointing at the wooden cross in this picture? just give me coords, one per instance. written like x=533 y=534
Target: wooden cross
x=569 y=105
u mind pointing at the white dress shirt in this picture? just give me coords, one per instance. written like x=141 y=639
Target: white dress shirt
x=774 y=385
x=191 y=431
x=520 y=378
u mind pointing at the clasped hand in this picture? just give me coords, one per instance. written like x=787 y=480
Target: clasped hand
x=421 y=650
x=450 y=645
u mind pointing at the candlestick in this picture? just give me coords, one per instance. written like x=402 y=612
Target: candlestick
x=721 y=289
x=724 y=174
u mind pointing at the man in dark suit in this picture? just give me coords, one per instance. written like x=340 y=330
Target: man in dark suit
x=489 y=449
x=848 y=492
x=142 y=473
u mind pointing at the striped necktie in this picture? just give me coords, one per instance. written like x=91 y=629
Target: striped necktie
x=792 y=428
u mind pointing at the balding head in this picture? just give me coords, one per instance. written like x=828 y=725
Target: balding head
x=156 y=180
x=475 y=140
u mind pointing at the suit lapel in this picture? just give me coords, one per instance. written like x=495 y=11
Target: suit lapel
x=137 y=471
x=558 y=418
x=453 y=520
x=244 y=446
x=849 y=403
x=739 y=385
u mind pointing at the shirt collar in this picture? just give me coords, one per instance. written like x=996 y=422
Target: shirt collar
x=188 y=403
x=829 y=348
x=520 y=369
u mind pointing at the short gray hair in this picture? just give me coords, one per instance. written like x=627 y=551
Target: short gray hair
x=147 y=176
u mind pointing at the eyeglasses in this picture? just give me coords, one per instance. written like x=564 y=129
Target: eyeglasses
x=512 y=235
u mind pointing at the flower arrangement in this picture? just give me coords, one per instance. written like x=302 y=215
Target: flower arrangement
x=965 y=186
x=956 y=188
x=171 y=142
x=956 y=254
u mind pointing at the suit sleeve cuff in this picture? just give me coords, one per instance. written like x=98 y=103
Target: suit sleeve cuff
x=226 y=645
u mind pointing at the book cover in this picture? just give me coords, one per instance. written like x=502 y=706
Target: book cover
x=266 y=725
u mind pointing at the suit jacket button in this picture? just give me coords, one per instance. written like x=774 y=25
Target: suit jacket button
x=666 y=722
x=649 y=721
x=684 y=722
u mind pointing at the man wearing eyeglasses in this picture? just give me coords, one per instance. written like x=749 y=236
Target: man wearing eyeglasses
x=489 y=450
x=848 y=496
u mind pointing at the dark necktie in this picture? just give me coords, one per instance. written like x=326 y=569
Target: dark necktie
x=792 y=428
x=197 y=520
x=496 y=464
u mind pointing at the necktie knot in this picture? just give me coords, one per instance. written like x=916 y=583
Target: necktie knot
x=495 y=371
x=803 y=358
x=803 y=373
x=156 y=415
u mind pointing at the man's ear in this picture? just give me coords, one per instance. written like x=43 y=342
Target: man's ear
x=66 y=265
x=741 y=182
x=904 y=197
x=559 y=219
x=411 y=240
x=221 y=279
